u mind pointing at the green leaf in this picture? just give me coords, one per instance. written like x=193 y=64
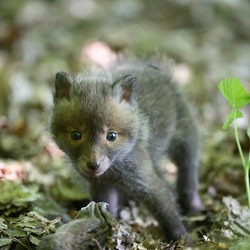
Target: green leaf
x=15 y=233
x=3 y=225
x=234 y=92
x=235 y=113
x=34 y=223
x=34 y=240
x=16 y=194
x=5 y=241
x=248 y=132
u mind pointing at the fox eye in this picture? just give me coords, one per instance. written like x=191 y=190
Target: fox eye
x=76 y=135
x=111 y=136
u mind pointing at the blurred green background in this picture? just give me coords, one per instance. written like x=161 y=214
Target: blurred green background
x=207 y=41
x=203 y=42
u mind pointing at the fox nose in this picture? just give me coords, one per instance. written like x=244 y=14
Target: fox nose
x=93 y=165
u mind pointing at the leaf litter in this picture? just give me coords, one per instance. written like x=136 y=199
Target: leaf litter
x=37 y=187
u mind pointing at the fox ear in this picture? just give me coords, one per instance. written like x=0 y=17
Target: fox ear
x=62 y=86
x=124 y=89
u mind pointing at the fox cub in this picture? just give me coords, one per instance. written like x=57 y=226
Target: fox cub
x=115 y=125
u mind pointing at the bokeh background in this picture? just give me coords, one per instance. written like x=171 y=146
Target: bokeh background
x=204 y=42
x=207 y=41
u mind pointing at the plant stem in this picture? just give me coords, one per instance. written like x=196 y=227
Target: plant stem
x=246 y=171
x=248 y=163
x=246 y=166
x=238 y=144
x=247 y=178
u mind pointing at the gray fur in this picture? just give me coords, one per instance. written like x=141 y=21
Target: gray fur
x=152 y=120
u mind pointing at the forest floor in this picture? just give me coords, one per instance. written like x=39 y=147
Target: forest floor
x=204 y=42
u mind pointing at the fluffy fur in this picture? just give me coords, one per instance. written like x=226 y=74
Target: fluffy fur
x=142 y=108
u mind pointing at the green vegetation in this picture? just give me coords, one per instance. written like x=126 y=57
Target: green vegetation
x=40 y=38
x=237 y=97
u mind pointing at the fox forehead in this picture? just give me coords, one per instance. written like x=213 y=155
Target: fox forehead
x=92 y=90
x=94 y=101
x=104 y=113
x=93 y=105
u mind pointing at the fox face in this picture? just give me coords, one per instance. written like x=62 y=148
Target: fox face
x=94 y=121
